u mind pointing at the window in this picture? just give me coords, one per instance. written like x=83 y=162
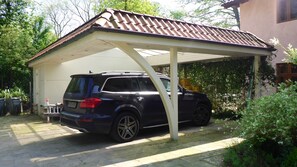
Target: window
x=146 y=84
x=287 y=10
x=121 y=85
x=79 y=86
x=286 y=71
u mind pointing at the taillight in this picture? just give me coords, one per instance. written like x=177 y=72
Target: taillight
x=90 y=103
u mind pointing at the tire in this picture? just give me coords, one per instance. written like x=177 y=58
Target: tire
x=125 y=127
x=201 y=115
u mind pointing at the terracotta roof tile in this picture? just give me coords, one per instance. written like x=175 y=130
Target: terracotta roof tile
x=123 y=21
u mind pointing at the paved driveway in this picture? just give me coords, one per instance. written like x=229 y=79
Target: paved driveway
x=27 y=141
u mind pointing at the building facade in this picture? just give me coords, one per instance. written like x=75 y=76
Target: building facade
x=269 y=19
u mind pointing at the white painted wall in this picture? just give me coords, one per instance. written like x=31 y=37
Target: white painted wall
x=260 y=18
x=51 y=80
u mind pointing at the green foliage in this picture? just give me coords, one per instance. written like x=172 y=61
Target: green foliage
x=245 y=155
x=209 y=12
x=272 y=118
x=226 y=82
x=14 y=92
x=178 y=15
x=291 y=54
x=289 y=51
x=2 y=94
x=41 y=33
x=291 y=159
x=269 y=126
x=21 y=36
x=17 y=92
x=138 y=6
x=13 y=12
x=15 y=49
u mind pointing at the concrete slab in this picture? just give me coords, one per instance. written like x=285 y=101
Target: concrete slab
x=27 y=140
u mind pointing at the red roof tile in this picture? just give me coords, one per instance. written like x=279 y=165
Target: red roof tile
x=128 y=22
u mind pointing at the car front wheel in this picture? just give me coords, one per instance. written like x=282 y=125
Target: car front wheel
x=201 y=115
x=125 y=128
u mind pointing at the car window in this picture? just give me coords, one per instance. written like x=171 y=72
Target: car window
x=121 y=85
x=166 y=83
x=96 y=89
x=79 y=86
x=146 y=84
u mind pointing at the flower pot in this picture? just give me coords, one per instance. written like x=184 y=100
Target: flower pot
x=14 y=105
x=3 y=110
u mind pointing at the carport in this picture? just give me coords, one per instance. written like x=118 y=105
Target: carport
x=174 y=41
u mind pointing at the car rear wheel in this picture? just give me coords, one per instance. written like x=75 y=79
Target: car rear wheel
x=201 y=115
x=125 y=128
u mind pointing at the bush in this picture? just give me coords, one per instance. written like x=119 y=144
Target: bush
x=2 y=94
x=14 y=92
x=272 y=119
x=291 y=159
x=247 y=155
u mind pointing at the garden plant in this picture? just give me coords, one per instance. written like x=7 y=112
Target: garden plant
x=269 y=127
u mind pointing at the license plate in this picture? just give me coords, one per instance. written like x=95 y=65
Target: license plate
x=72 y=104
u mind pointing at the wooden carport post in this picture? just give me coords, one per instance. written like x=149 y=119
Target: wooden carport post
x=170 y=108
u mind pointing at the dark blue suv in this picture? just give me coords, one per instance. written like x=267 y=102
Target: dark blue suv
x=121 y=103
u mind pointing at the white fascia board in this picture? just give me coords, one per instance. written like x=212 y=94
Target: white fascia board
x=84 y=46
x=163 y=43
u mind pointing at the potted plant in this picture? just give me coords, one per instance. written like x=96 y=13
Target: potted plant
x=3 y=110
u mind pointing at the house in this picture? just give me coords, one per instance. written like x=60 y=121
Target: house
x=268 y=19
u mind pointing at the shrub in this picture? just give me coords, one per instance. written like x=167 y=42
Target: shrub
x=291 y=159
x=2 y=94
x=14 y=92
x=19 y=93
x=246 y=155
x=272 y=119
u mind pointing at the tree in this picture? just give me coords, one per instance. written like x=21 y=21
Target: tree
x=59 y=17
x=83 y=9
x=21 y=36
x=41 y=33
x=139 y=6
x=13 y=12
x=209 y=12
x=66 y=14
x=15 y=49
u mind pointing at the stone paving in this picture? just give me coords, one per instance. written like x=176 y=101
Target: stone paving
x=28 y=141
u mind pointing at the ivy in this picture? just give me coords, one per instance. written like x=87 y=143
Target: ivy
x=226 y=82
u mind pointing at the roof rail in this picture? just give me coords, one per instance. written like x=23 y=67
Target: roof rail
x=121 y=72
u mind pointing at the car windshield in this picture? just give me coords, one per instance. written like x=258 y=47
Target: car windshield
x=79 y=87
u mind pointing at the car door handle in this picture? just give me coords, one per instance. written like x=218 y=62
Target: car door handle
x=139 y=98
